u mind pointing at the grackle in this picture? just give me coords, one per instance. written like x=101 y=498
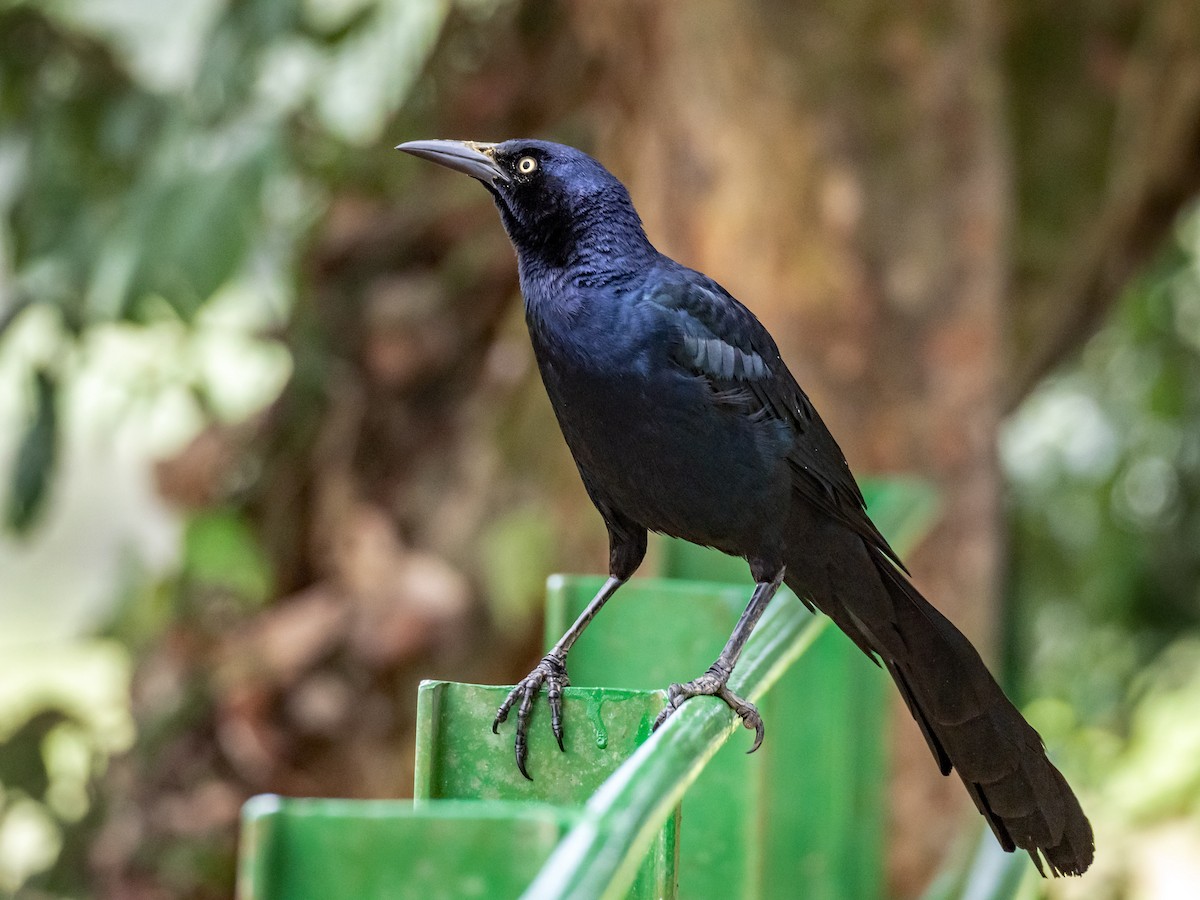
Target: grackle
x=683 y=419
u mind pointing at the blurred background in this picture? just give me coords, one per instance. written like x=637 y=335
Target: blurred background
x=272 y=447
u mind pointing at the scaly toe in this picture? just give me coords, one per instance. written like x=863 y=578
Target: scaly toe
x=749 y=714
x=665 y=714
x=712 y=685
x=552 y=672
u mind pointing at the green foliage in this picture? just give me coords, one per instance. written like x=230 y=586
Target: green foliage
x=35 y=457
x=516 y=553
x=1157 y=773
x=156 y=160
x=22 y=762
x=221 y=552
x=63 y=716
x=151 y=154
x=1105 y=468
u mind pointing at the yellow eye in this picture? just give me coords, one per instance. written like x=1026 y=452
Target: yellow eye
x=526 y=165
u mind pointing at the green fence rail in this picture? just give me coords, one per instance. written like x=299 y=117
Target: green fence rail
x=623 y=813
x=598 y=857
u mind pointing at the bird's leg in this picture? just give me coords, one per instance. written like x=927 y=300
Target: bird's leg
x=551 y=671
x=713 y=682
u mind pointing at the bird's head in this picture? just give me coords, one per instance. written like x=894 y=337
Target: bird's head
x=550 y=196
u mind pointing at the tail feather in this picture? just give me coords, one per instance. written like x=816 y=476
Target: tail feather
x=967 y=721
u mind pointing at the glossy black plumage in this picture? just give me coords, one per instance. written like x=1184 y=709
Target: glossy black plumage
x=683 y=419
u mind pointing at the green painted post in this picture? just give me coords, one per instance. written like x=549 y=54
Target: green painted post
x=598 y=856
x=654 y=633
x=309 y=849
x=458 y=757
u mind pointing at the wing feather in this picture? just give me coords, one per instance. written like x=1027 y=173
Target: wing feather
x=716 y=337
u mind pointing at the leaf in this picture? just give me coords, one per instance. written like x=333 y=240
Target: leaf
x=35 y=458
x=222 y=551
x=517 y=552
x=14 y=310
x=22 y=762
x=191 y=229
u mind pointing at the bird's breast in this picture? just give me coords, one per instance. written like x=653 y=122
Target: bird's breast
x=649 y=438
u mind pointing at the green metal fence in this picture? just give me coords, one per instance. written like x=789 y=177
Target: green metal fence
x=623 y=813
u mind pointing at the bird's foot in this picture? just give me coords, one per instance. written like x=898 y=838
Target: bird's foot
x=713 y=684
x=551 y=671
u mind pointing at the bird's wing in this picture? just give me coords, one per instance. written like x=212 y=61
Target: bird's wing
x=715 y=337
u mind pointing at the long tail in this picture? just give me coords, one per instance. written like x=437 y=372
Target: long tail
x=968 y=722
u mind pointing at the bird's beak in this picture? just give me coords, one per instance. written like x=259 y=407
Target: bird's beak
x=469 y=157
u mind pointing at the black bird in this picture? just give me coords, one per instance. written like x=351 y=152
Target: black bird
x=683 y=419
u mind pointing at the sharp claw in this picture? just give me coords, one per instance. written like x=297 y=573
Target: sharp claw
x=751 y=718
x=520 y=747
x=502 y=712
x=556 y=725
x=759 y=733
